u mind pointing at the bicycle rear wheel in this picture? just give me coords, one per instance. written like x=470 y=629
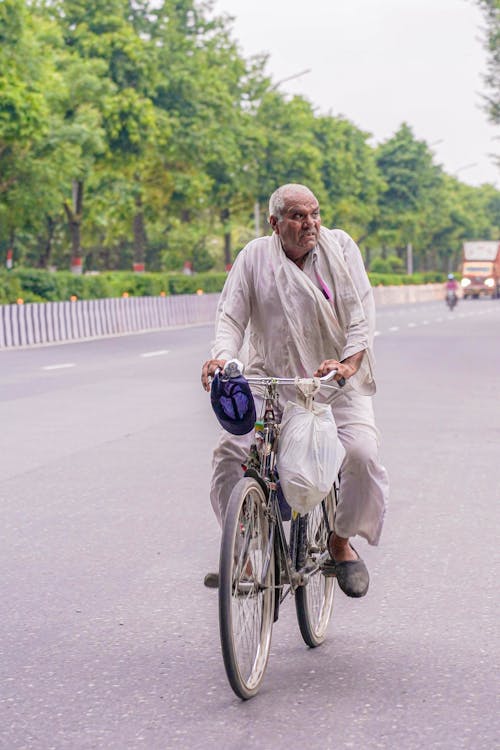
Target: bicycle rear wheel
x=246 y=588
x=314 y=600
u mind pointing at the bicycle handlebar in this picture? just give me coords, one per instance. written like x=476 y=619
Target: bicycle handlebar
x=289 y=381
x=236 y=368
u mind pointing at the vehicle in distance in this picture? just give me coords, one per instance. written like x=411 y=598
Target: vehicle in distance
x=481 y=269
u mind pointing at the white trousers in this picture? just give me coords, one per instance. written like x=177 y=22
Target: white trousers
x=364 y=485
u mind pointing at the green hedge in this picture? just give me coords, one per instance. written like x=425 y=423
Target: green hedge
x=399 y=279
x=36 y=285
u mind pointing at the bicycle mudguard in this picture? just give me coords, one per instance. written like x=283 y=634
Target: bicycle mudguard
x=254 y=474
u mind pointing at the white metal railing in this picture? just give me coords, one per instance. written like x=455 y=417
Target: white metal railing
x=56 y=322
x=53 y=322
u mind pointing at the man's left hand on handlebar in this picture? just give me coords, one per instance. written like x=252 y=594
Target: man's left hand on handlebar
x=345 y=369
x=209 y=369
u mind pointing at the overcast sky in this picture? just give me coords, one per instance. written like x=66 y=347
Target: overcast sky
x=382 y=62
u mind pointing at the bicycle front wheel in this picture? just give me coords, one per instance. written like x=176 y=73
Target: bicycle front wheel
x=314 y=600
x=246 y=588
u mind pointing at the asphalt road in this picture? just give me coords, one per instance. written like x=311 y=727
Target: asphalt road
x=108 y=638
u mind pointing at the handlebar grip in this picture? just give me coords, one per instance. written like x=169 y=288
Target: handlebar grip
x=326 y=378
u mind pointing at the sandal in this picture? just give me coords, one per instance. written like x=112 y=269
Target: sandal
x=352 y=575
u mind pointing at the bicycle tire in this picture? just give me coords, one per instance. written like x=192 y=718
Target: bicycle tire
x=314 y=600
x=246 y=588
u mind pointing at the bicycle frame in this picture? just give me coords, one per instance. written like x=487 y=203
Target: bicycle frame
x=261 y=466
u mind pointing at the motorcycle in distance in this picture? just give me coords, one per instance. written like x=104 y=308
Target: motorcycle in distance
x=451 y=291
x=451 y=299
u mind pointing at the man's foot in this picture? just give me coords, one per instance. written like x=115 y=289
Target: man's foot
x=347 y=567
x=211 y=580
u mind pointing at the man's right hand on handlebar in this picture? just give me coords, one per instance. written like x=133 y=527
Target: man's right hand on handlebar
x=208 y=371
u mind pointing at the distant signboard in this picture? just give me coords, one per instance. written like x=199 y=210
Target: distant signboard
x=480 y=250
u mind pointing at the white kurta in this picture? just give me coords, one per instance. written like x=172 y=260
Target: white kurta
x=291 y=328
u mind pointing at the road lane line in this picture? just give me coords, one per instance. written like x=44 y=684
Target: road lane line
x=59 y=367
x=157 y=353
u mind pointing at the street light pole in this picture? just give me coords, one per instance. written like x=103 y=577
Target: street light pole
x=409 y=259
x=290 y=78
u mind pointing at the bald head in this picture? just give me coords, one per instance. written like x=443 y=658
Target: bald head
x=292 y=191
x=295 y=218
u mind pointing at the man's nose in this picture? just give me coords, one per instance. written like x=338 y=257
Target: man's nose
x=308 y=221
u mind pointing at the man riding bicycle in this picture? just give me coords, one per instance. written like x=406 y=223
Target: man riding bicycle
x=304 y=300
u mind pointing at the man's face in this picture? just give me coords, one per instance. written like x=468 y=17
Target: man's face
x=299 y=226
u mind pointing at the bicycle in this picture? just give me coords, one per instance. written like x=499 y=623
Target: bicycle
x=258 y=568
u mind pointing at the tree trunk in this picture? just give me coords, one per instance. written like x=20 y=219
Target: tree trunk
x=139 y=237
x=74 y=215
x=256 y=218
x=224 y=217
x=44 y=257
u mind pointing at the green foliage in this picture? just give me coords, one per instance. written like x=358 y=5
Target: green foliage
x=392 y=264
x=180 y=284
x=40 y=284
x=135 y=284
x=37 y=285
x=412 y=184
x=10 y=288
x=492 y=42
x=349 y=174
x=395 y=279
x=171 y=136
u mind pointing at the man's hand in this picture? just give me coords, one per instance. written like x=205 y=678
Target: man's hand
x=208 y=371
x=345 y=369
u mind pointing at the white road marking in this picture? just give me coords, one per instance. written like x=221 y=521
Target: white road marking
x=394 y=328
x=59 y=367
x=157 y=353
x=411 y=325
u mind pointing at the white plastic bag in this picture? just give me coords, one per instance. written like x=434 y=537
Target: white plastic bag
x=309 y=456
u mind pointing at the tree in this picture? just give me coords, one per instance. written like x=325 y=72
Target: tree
x=207 y=89
x=287 y=149
x=491 y=9
x=350 y=176
x=27 y=158
x=133 y=131
x=110 y=74
x=412 y=188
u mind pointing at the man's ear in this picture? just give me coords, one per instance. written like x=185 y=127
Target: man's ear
x=274 y=223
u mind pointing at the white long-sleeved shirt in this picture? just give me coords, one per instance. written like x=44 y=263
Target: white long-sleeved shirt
x=292 y=327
